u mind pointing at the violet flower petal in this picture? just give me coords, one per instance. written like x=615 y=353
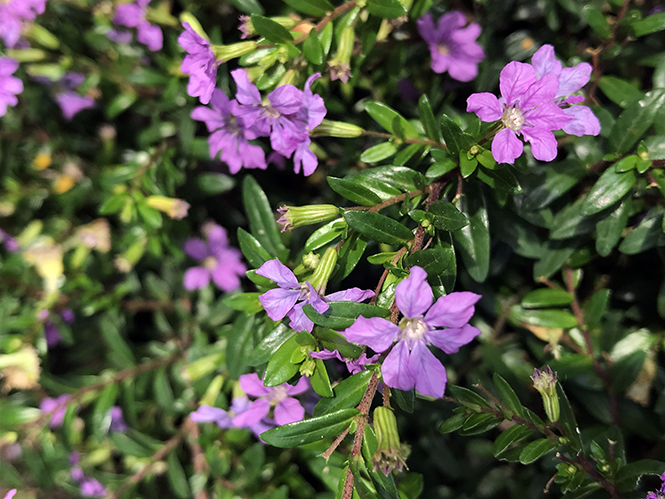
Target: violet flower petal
x=376 y=333
x=196 y=249
x=287 y=411
x=395 y=368
x=429 y=373
x=256 y=412
x=196 y=278
x=453 y=310
x=414 y=295
x=450 y=340
x=252 y=385
x=278 y=302
x=280 y=273
x=506 y=147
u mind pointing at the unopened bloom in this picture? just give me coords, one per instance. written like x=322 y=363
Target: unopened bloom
x=297 y=216
x=10 y=86
x=221 y=262
x=583 y=122
x=95 y=235
x=47 y=260
x=545 y=382
x=229 y=134
x=117 y=422
x=388 y=455
x=339 y=66
x=20 y=370
x=57 y=406
x=199 y=64
x=133 y=15
x=173 y=207
x=452 y=44
x=286 y=408
x=526 y=109
x=14 y=14
x=410 y=363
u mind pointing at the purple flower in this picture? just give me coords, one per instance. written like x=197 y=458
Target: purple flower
x=224 y=419
x=69 y=100
x=410 y=363
x=13 y=14
x=312 y=112
x=583 y=122
x=90 y=487
x=51 y=330
x=117 y=421
x=221 y=262
x=10 y=86
x=452 y=44
x=199 y=64
x=57 y=406
x=287 y=409
x=525 y=108
x=133 y=16
x=10 y=494
x=353 y=365
x=229 y=134
x=289 y=298
x=119 y=35
x=9 y=242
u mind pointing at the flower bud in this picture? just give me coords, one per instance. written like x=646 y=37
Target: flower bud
x=213 y=390
x=388 y=455
x=545 y=382
x=339 y=65
x=173 y=207
x=247 y=28
x=187 y=17
x=42 y=160
x=224 y=53
x=323 y=271
x=20 y=369
x=297 y=216
x=329 y=128
x=43 y=36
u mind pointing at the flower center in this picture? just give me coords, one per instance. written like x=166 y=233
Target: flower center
x=513 y=118
x=443 y=49
x=232 y=126
x=210 y=262
x=277 y=394
x=413 y=330
x=268 y=110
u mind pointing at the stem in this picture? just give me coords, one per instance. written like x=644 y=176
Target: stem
x=199 y=462
x=379 y=286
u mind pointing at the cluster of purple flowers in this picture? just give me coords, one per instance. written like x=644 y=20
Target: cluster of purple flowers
x=133 y=15
x=452 y=44
x=199 y=63
x=286 y=115
x=245 y=413
x=660 y=493
x=220 y=262
x=536 y=99
x=290 y=296
x=89 y=487
x=10 y=86
x=14 y=14
x=409 y=363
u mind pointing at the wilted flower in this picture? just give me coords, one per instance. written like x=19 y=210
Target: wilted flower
x=452 y=44
x=173 y=207
x=545 y=382
x=13 y=15
x=134 y=16
x=47 y=260
x=410 y=363
x=339 y=65
x=388 y=455
x=10 y=86
x=20 y=369
x=95 y=235
x=221 y=262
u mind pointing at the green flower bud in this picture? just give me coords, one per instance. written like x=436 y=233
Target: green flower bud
x=339 y=65
x=213 y=390
x=224 y=53
x=297 y=216
x=340 y=129
x=308 y=367
x=388 y=455
x=247 y=28
x=545 y=382
x=323 y=271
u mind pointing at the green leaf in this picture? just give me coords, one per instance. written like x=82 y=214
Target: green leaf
x=309 y=430
x=406 y=154
x=103 y=404
x=432 y=128
x=541 y=188
x=240 y=345
x=312 y=48
x=349 y=256
x=453 y=136
x=211 y=183
x=120 y=103
x=473 y=241
x=379 y=152
x=479 y=423
x=325 y=235
x=388 y=9
x=255 y=254
x=177 y=477
x=597 y=21
x=544 y=318
x=546 y=297
x=247 y=6
x=244 y=302
x=332 y=340
x=437 y=261
x=388 y=181
x=447 y=217
x=343 y=314
x=385 y=116
x=280 y=369
x=595 y=308
x=570 y=222
x=347 y=393
x=502 y=179
x=553 y=256
x=316 y=8
x=261 y=218
x=513 y=434
x=128 y=446
x=378 y=227
x=162 y=390
x=608 y=230
x=151 y=216
x=466 y=396
x=453 y=423
x=567 y=420
x=12 y=415
x=320 y=380
x=646 y=235
x=269 y=345
x=536 y=449
x=271 y=30
x=650 y=24
x=628 y=476
x=635 y=120
x=619 y=91
x=608 y=189
x=113 y=204
x=508 y=395
x=405 y=399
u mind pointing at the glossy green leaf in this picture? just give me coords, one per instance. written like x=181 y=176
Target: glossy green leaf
x=536 y=449
x=466 y=396
x=384 y=116
x=619 y=91
x=378 y=227
x=406 y=154
x=544 y=317
x=177 y=477
x=435 y=261
x=309 y=430
x=211 y=183
x=240 y=345
x=251 y=248
x=595 y=308
x=120 y=103
x=349 y=256
x=12 y=415
x=346 y=394
x=453 y=136
x=508 y=395
x=261 y=218
x=597 y=21
x=247 y=6
x=389 y=178
x=342 y=314
x=650 y=24
x=320 y=380
x=453 y=423
x=244 y=302
x=447 y=216
x=280 y=369
x=635 y=120
x=388 y=9
x=553 y=256
x=312 y=48
x=269 y=345
x=271 y=30
x=608 y=189
x=513 y=434
x=541 y=188
x=316 y=8
x=479 y=423
x=609 y=230
x=473 y=241
x=431 y=126
x=628 y=476
x=405 y=399
x=379 y=152
x=567 y=419
x=502 y=179
x=325 y=235
x=332 y=340
x=546 y=297
x=129 y=446
x=151 y=216
x=646 y=235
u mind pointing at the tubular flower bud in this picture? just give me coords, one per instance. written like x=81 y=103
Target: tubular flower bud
x=339 y=65
x=297 y=216
x=388 y=455
x=329 y=128
x=545 y=382
x=323 y=271
x=224 y=53
x=247 y=28
x=173 y=207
